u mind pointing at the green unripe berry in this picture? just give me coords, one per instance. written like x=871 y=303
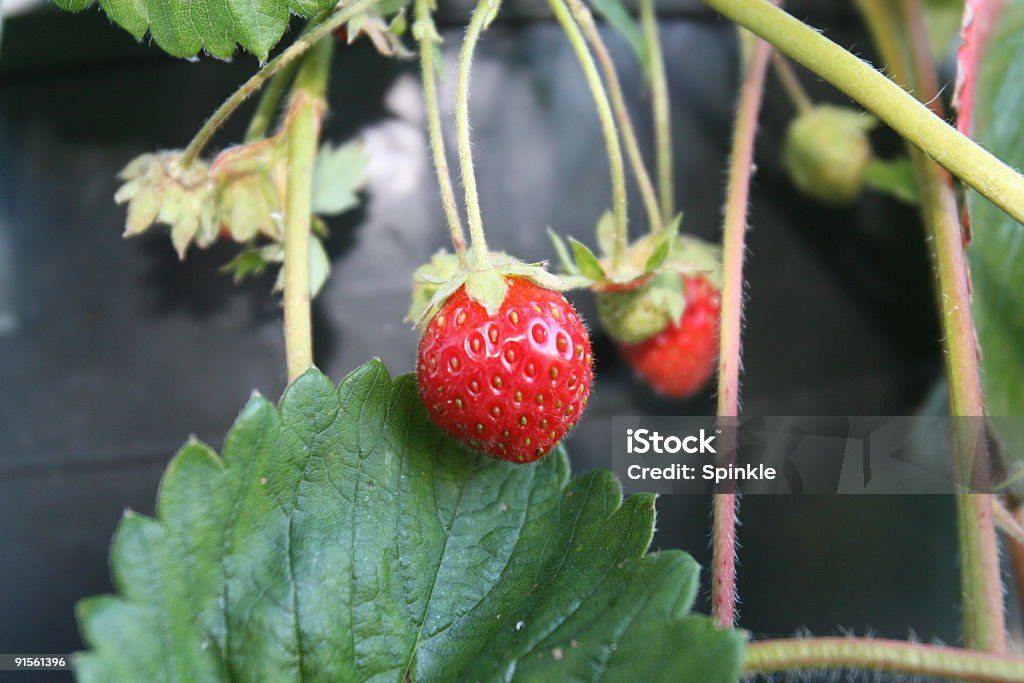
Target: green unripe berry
x=827 y=152
x=632 y=316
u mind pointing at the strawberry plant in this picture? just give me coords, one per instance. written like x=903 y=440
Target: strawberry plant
x=425 y=526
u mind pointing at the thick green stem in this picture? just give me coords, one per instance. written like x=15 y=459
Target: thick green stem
x=305 y=113
x=585 y=19
x=773 y=656
x=607 y=119
x=723 y=588
x=902 y=112
x=294 y=51
x=662 y=109
x=484 y=13
x=426 y=35
x=911 y=67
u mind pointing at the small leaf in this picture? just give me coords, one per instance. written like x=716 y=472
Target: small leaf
x=673 y=227
x=894 y=177
x=487 y=288
x=319 y=266
x=586 y=261
x=339 y=174
x=343 y=537
x=563 y=253
x=657 y=258
x=249 y=262
x=606 y=233
x=616 y=14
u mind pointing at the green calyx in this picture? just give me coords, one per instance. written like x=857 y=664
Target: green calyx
x=632 y=314
x=827 y=152
x=434 y=282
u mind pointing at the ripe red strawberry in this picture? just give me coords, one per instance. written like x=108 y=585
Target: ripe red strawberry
x=512 y=384
x=680 y=359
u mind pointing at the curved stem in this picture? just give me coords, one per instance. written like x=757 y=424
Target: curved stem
x=791 y=84
x=305 y=113
x=426 y=35
x=662 y=107
x=607 y=119
x=904 y=114
x=723 y=591
x=771 y=656
x=585 y=19
x=981 y=581
x=267 y=106
x=482 y=17
x=301 y=45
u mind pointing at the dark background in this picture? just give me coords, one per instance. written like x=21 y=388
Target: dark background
x=112 y=352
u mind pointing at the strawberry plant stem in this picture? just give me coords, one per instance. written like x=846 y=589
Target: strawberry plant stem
x=266 y=108
x=774 y=656
x=607 y=119
x=791 y=84
x=981 y=581
x=484 y=13
x=585 y=19
x=426 y=35
x=723 y=589
x=306 y=111
x=301 y=45
x=662 y=110
x=1017 y=557
x=1006 y=521
x=902 y=112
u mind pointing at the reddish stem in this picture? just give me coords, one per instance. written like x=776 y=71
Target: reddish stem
x=723 y=591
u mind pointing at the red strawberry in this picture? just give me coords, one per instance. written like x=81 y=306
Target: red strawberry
x=680 y=359
x=512 y=384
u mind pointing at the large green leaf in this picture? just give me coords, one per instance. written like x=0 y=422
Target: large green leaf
x=997 y=250
x=185 y=27
x=342 y=537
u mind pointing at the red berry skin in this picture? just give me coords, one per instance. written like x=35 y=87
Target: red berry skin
x=509 y=385
x=679 y=360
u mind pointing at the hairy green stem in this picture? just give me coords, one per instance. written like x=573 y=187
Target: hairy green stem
x=791 y=84
x=897 y=35
x=585 y=19
x=607 y=119
x=426 y=35
x=275 y=90
x=723 y=589
x=662 y=110
x=301 y=45
x=266 y=108
x=305 y=114
x=772 y=656
x=484 y=13
x=902 y=112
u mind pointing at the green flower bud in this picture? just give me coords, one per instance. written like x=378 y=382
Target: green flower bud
x=827 y=151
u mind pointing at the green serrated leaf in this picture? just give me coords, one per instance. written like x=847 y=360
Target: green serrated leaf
x=487 y=288
x=997 y=250
x=339 y=175
x=894 y=177
x=183 y=28
x=568 y=265
x=606 y=233
x=616 y=14
x=343 y=537
x=586 y=262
